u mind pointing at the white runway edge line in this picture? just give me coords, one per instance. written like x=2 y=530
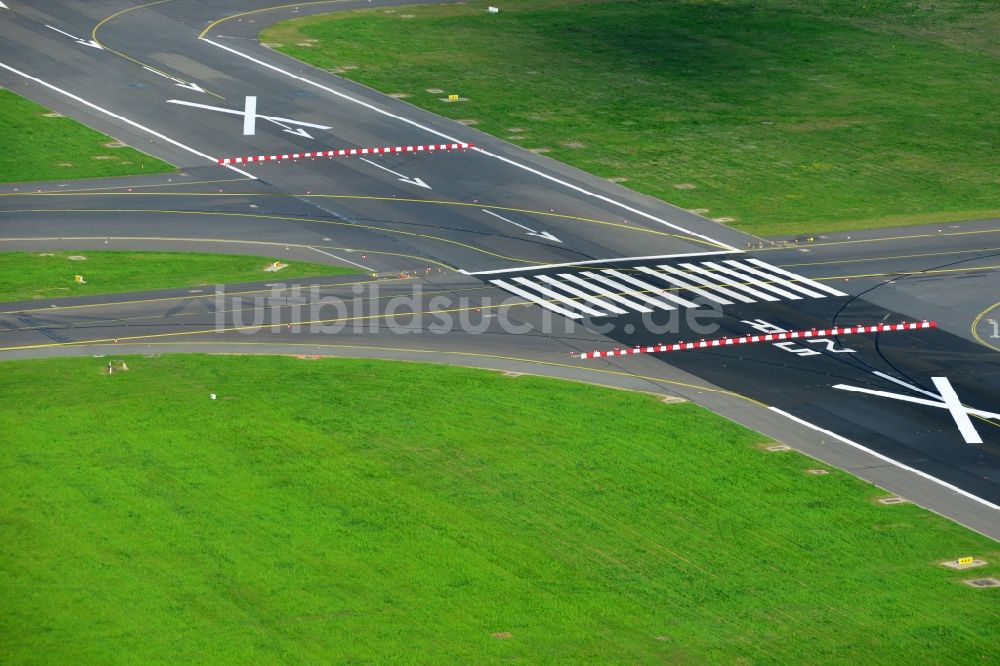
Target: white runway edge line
x=123 y=119
x=887 y=459
x=480 y=150
x=592 y=262
x=347 y=152
x=769 y=337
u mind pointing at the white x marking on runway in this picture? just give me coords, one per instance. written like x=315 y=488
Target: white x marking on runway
x=946 y=398
x=250 y=115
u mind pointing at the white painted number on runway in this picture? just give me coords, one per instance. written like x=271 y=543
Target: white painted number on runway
x=766 y=327
x=250 y=115
x=945 y=398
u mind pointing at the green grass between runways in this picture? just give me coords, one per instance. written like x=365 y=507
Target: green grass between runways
x=36 y=144
x=354 y=511
x=36 y=275
x=789 y=116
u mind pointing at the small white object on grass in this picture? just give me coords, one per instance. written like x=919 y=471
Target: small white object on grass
x=493 y=10
x=212 y=395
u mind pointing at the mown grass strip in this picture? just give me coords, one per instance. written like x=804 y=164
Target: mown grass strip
x=777 y=116
x=36 y=275
x=37 y=144
x=363 y=511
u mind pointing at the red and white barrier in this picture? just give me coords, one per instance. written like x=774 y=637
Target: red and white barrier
x=766 y=337
x=347 y=152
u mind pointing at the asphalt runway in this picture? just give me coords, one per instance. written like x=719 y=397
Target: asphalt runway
x=494 y=257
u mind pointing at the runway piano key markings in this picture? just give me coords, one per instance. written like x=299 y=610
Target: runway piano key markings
x=644 y=288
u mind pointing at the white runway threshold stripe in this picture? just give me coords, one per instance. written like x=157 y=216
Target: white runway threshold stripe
x=348 y=152
x=604 y=292
x=767 y=337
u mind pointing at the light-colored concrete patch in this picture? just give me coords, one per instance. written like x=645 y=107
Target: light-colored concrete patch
x=955 y=564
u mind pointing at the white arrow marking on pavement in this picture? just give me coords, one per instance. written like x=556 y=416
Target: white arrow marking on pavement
x=85 y=42
x=190 y=86
x=286 y=128
x=177 y=82
x=405 y=179
x=531 y=232
x=3 y=6
x=277 y=120
x=947 y=399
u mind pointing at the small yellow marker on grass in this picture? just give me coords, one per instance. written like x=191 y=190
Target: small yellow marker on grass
x=79 y=279
x=964 y=561
x=453 y=98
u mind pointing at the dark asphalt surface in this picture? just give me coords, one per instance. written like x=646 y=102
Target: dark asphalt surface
x=423 y=243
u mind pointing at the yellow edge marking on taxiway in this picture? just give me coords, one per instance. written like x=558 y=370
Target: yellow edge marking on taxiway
x=93 y=35
x=204 y=32
x=630 y=227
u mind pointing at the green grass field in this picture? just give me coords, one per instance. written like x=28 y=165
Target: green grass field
x=789 y=116
x=36 y=144
x=355 y=511
x=34 y=275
